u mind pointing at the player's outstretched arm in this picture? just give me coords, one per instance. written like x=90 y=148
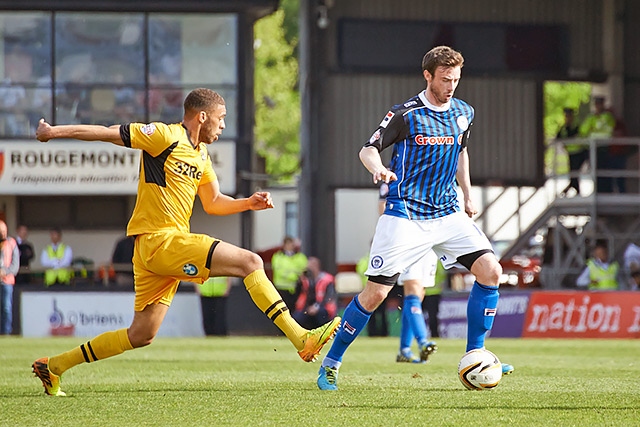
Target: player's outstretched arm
x=46 y=132
x=370 y=158
x=216 y=203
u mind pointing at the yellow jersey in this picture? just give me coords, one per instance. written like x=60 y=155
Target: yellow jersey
x=171 y=170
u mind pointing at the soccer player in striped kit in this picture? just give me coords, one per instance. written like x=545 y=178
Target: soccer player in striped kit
x=429 y=134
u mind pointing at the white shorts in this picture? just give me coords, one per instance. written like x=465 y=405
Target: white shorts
x=399 y=243
x=424 y=270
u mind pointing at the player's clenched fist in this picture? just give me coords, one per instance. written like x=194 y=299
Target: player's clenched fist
x=43 y=133
x=260 y=200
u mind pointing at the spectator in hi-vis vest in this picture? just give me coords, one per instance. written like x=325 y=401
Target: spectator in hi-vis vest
x=56 y=258
x=600 y=274
x=213 y=300
x=288 y=264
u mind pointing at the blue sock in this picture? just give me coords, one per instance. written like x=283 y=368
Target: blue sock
x=406 y=332
x=481 y=310
x=354 y=320
x=413 y=309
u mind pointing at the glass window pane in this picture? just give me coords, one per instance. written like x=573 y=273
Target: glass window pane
x=28 y=106
x=100 y=48
x=25 y=47
x=99 y=105
x=25 y=66
x=193 y=49
x=166 y=105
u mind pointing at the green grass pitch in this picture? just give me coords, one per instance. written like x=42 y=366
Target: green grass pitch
x=260 y=381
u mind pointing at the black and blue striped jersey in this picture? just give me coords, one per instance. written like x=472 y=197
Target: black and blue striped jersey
x=426 y=141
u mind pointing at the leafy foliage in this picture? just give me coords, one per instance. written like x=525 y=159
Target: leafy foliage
x=277 y=117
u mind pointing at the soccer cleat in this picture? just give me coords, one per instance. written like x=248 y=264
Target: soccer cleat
x=408 y=357
x=426 y=350
x=50 y=381
x=327 y=378
x=317 y=338
x=506 y=369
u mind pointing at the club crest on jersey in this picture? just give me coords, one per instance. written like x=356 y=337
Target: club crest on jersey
x=377 y=261
x=190 y=269
x=374 y=137
x=463 y=123
x=148 y=129
x=387 y=119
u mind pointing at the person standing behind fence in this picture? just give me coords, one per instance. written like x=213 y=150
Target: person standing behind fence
x=578 y=152
x=9 y=266
x=288 y=264
x=27 y=253
x=56 y=257
x=600 y=124
x=214 y=293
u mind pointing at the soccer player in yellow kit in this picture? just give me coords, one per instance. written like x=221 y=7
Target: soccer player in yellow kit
x=174 y=168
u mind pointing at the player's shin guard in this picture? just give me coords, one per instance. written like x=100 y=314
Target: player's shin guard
x=354 y=320
x=481 y=311
x=267 y=299
x=413 y=308
x=105 y=345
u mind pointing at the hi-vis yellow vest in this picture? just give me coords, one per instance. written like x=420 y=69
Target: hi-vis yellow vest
x=63 y=275
x=287 y=269
x=214 y=287
x=603 y=278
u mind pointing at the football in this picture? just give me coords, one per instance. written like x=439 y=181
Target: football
x=479 y=370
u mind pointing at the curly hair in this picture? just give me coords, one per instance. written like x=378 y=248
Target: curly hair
x=202 y=99
x=441 y=56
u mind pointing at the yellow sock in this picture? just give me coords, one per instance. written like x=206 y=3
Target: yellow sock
x=104 y=345
x=265 y=296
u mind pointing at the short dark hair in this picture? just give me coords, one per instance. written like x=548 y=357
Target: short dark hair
x=441 y=56
x=202 y=99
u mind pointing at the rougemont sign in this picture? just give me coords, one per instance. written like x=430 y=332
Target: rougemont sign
x=73 y=167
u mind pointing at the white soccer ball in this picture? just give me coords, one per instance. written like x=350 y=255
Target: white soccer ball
x=479 y=369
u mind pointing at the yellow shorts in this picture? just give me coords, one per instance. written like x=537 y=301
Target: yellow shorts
x=161 y=260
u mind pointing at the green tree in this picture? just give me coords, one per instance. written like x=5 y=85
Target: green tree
x=277 y=117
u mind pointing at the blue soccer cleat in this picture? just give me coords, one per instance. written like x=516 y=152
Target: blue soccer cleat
x=506 y=369
x=327 y=378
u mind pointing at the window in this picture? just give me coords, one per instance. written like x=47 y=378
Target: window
x=74 y=213
x=291 y=219
x=25 y=70
x=108 y=68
